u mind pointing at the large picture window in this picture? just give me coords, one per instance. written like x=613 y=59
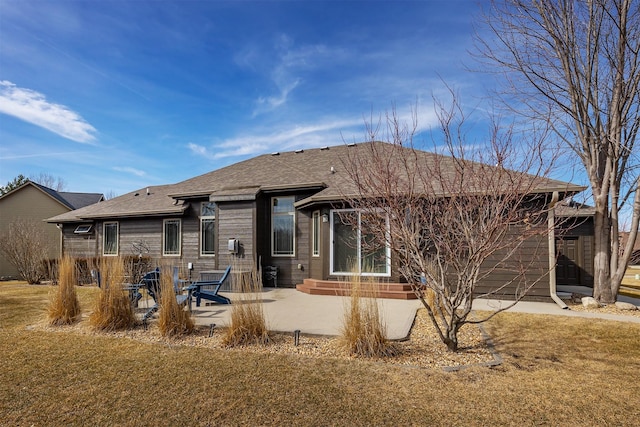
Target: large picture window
x=110 y=238
x=283 y=226
x=207 y=228
x=356 y=249
x=171 y=237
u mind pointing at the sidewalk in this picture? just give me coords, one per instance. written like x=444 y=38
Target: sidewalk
x=287 y=310
x=551 y=308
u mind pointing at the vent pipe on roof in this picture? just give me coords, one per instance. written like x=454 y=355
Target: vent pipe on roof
x=333 y=170
x=299 y=151
x=148 y=191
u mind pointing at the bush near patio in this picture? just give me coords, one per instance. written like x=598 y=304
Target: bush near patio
x=173 y=319
x=248 y=324
x=112 y=308
x=64 y=307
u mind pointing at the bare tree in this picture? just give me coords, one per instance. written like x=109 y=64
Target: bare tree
x=457 y=228
x=25 y=247
x=110 y=195
x=578 y=62
x=48 y=180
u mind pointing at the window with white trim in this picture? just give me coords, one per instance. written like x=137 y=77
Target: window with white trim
x=283 y=226
x=355 y=249
x=110 y=238
x=316 y=233
x=207 y=228
x=171 y=237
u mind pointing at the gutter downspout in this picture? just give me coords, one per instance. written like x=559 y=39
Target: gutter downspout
x=551 y=224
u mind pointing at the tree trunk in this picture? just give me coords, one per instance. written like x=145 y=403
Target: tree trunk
x=452 y=339
x=601 y=261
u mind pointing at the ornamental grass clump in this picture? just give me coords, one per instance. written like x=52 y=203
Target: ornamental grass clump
x=248 y=324
x=363 y=330
x=64 y=307
x=173 y=319
x=112 y=308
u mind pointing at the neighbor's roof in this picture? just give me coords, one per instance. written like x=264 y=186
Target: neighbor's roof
x=68 y=199
x=319 y=170
x=80 y=200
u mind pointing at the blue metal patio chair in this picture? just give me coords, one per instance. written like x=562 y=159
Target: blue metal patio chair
x=151 y=281
x=208 y=289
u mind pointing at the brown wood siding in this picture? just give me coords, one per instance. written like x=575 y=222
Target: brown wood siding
x=32 y=204
x=534 y=254
x=292 y=270
x=79 y=245
x=235 y=220
x=583 y=230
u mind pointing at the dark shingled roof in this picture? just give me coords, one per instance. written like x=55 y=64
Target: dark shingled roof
x=80 y=200
x=68 y=199
x=321 y=169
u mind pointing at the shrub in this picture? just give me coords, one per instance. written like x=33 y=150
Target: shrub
x=173 y=319
x=64 y=307
x=363 y=330
x=24 y=246
x=112 y=308
x=248 y=324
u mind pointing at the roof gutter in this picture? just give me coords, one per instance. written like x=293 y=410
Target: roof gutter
x=551 y=224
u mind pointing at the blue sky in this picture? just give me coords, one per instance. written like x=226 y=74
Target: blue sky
x=112 y=96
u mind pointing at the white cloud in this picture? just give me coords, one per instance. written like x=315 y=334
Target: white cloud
x=33 y=107
x=290 y=137
x=273 y=102
x=132 y=171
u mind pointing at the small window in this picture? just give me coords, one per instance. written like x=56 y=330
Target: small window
x=283 y=226
x=207 y=228
x=83 y=229
x=110 y=238
x=316 y=233
x=171 y=237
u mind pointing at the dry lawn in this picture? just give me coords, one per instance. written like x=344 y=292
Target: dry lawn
x=556 y=371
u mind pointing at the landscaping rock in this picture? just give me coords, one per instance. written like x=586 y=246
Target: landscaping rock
x=625 y=306
x=590 y=302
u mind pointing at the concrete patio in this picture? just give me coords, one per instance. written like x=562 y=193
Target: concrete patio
x=288 y=310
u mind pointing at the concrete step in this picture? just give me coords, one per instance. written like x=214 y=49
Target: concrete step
x=400 y=291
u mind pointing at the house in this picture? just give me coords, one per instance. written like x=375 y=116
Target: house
x=278 y=209
x=32 y=201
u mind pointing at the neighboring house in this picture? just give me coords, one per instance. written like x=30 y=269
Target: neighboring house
x=36 y=202
x=574 y=243
x=277 y=209
x=635 y=256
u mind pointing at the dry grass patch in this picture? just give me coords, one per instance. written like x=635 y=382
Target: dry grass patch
x=557 y=371
x=173 y=319
x=364 y=331
x=112 y=308
x=64 y=306
x=248 y=324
